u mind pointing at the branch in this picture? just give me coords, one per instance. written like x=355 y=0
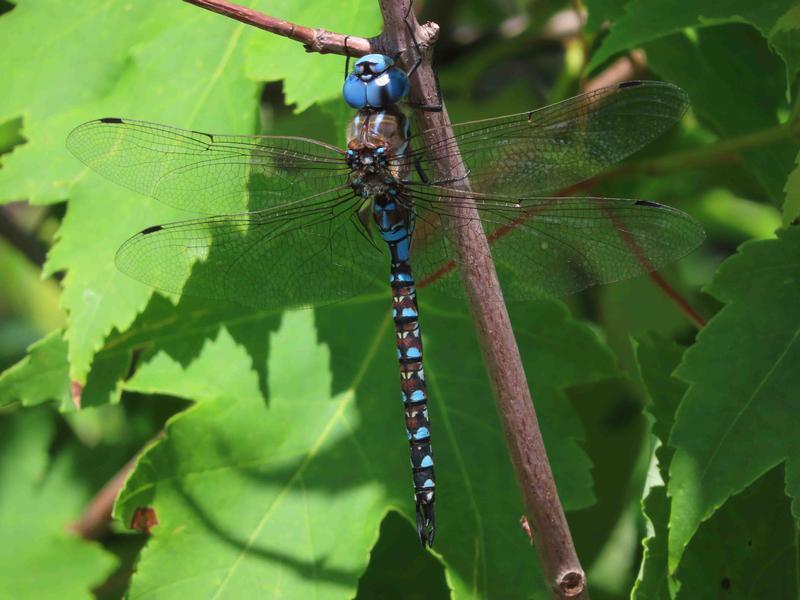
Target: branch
x=97 y=515
x=562 y=570
x=314 y=40
x=624 y=68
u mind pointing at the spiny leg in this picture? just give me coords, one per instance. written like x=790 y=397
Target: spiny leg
x=417 y=62
x=347 y=60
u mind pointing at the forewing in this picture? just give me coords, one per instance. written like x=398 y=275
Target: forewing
x=557 y=146
x=207 y=173
x=552 y=246
x=308 y=253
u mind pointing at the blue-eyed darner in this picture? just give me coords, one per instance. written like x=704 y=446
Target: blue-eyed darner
x=313 y=212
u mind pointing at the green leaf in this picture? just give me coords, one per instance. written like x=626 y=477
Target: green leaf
x=164 y=374
x=658 y=357
x=43 y=375
x=739 y=417
x=604 y=533
x=737 y=87
x=653 y=581
x=307 y=478
x=40 y=376
x=248 y=508
x=139 y=66
x=310 y=78
x=39 y=558
x=383 y=579
x=129 y=63
x=791 y=206
x=647 y=20
x=600 y=11
x=747 y=550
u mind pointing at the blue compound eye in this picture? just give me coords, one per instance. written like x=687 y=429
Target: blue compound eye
x=375 y=83
x=388 y=88
x=371 y=65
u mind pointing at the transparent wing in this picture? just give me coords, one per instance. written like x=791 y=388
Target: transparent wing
x=557 y=146
x=207 y=173
x=307 y=253
x=551 y=246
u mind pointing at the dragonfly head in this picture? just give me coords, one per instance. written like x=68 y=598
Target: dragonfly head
x=375 y=82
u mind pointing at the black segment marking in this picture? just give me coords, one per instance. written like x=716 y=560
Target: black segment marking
x=111 y=120
x=627 y=84
x=152 y=229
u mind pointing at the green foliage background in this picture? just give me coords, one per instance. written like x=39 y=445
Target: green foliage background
x=283 y=468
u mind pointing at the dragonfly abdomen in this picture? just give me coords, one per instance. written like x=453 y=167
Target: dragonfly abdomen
x=414 y=393
x=394 y=220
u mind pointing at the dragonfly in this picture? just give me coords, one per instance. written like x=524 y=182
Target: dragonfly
x=293 y=222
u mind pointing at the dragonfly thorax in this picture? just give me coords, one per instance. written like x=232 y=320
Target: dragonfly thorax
x=371 y=174
x=376 y=144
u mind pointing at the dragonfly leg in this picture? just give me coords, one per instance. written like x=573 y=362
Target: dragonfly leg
x=417 y=62
x=421 y=172
x=450 y=179
x=347 y=60
x=428 y=181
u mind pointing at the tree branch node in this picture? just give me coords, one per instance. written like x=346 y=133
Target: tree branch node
x=571 y=584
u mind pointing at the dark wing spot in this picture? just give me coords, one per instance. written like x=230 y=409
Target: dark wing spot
x=627 y=84
x=208 y=135
x=152 y=229
x=648 y=203
x=111 y=120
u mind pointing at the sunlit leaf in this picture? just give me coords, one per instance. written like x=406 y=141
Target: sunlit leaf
x=647 y=20
x=39 y=557
x=739 y=417
x=736 y=92
x=657 y=359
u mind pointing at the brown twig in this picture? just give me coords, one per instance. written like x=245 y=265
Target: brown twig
x=314 y=40
x=630 y=66
x=560 y=564
x=95 y=519
x=97 y=515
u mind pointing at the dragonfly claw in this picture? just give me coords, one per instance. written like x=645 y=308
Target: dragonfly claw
x=425 y=523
